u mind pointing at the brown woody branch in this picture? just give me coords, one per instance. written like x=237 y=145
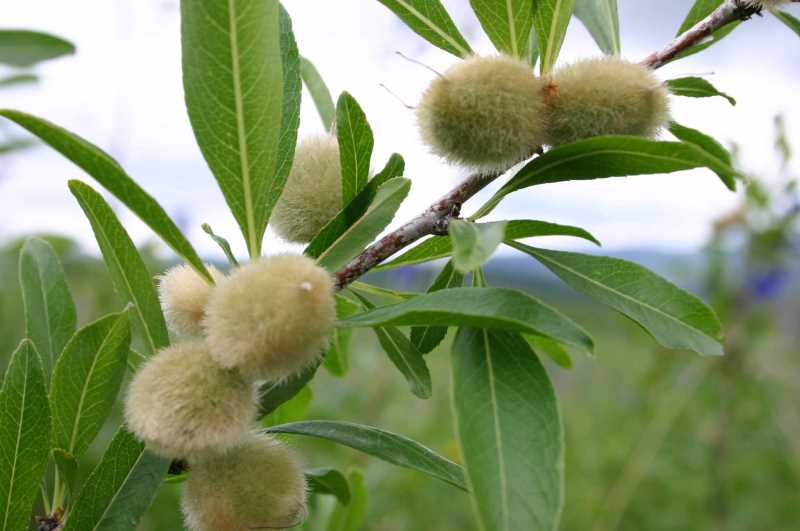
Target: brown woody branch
x=435 y=219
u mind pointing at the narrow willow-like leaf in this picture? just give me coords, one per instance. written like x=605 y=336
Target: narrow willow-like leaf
x=386 y=293
x=319 y=93
x=291 y=410
x=720 y=161
x=107 y=171
x=552 y=349
x=700 y=10
x=695 y=87
x=385 y=445
x=128 y=271
x=355 y=146
x=509 y=430
x=498 y=308
x=601 y=18
x=427 y=338
x=18 y=79
x=404 y=356
x=351 y=517
x=430 y=20
x=86 y=381
x=380 y=213
x=274 y=395
x=120 y=489
x=24 y=436
x=355 y=208
x=328 y=481
x=550 y=19
x=337 y=359
x=792 y=22
x=600 y=157
x=241 y=101
x=674 y=317
x=474 y=243
x=50 y=317
x=25 y=48
x=441 y=246
x=507 y=23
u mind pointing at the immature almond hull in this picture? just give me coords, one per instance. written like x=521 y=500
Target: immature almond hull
x=181 y=403
x=485 y=112
x=257 y=485
x=184 y=294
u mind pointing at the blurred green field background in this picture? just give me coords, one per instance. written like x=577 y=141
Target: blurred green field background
x=656 y=440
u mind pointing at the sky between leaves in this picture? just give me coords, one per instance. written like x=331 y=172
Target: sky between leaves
x=123 y=91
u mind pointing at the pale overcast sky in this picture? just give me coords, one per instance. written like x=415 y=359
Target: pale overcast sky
x=123 y=91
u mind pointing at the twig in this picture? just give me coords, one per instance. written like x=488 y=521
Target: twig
x=434 y=220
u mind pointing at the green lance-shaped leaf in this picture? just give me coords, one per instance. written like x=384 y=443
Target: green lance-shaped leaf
x=50 y=317
x=430 y=20
x=319 y=93
x=86 y=381
x=18 y=79
x=474 y=243
x=25 y=48
x=337 y=359
x=442 y=247
x=674 y=317
x=24 y=436
x=700 y=10
x=719 y=158
x=380 y=213
x=601 y=18
x=695 y=87
x=498 y=308
x=507 y=23
x=550 y=19
x=427 y=338
x=356 y=208
x=241 y=79
x=328 y=481
x=107 y=171
x=291 y=410
x=509 y=429
x=404 y=355
x=273 y=395
x=120 y=489
x=385 y=293
x=355 y=146
x=792 y=22
x=600 y=157
x=385 y=445
x=351 y=517
x=128 y=271
x=552 y=349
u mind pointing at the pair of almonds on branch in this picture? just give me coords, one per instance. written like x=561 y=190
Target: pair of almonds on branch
x=266 y=321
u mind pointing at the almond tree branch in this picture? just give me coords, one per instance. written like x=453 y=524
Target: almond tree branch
x=434 y=219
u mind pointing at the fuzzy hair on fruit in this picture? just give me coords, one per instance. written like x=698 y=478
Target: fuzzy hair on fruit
x=485 y=113
x=604 y=96
x=184 y=294
x=313 y=192
x=257 y=485
x=271 y=318
x=181 y=403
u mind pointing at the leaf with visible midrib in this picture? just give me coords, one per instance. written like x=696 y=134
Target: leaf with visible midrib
x=50 y=317
x=474 y=243
x=427 y=338
x=385 y=445
x=235 y=68
x=430 y=20
x=507 y=23
x=24 y=436
x=550 y=19
x=86 y=381
x=509 y=430
x=25 y=48
x=674 y=317
x=500 y=308
x=600 y=157
x=128 y=271
x=601 y=18
x=695 y=87
x=355 y=146
x=120 y=489
x=719 y=159
x=107 y=171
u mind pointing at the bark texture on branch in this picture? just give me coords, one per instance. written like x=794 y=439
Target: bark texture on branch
x=434 y=219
